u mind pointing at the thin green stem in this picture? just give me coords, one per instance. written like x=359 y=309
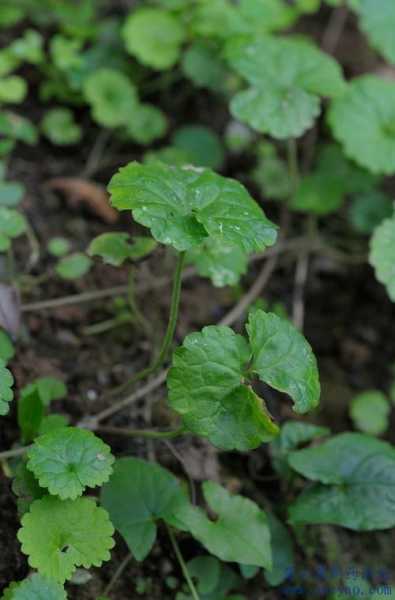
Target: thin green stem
x=293 y=166
x=14 y=452
x=183 y=566
x=169 y=335
x=143 y=433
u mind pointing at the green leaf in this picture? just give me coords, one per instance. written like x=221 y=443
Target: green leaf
x=182 y=207
x=368 y=210
x=282 y=552
x=115 y=248
x=7 y=350
x=60 y=128
x=58 y=246
x=271 y=173
x=287 y=77
x=12 y=223
x=239 y=534
x=168 y=155
x=207 y=571
x=284 y=359
x=379 y=25
x=202 y=144
x=138 y=494
x=6 y=393
x=60 y=535
x=223 y=264
x=382 y=254
x=363 y=121
x=48 y=388
x=11 y=194
x=201 y=64
x=68 y=460
x=25 y=486
x=30 y=413
x=357 y=489
x=13 y=89
x=37 y=587
x=205 y=387
x=154 y=36
x=18 y=128
x=112 y=97
x=146 y=123
x=369 y=412
x=28 y=48
x=51 y=423
x=73 y=266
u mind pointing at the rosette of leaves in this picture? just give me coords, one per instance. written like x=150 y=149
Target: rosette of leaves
x=60 y=535
x=183 y=207
x=354 y=487
x=68 y=460
x=154 y=36
x=112 y=97
x=363 y=121
x=382 y=254
x=210 y=380
x=287 y=77
x=6 y=393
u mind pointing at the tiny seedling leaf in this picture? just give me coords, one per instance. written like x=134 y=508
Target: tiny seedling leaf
x=68 y=460
x=369 y=412
x=184 y=206
x=115 y=248
x=60 y=535
x=60 y=128
x=146 y=123
x=48 y=388
x=58 y=246
x=73 y=266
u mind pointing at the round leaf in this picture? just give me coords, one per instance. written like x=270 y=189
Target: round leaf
x=111 y=95
x=154 y=36
x=12 y=223
x=68 y=460
x=287 y=77
x=363 y=120
x=58 y=246
x=202 y=144
x=369 y=209
x=370 y=411
x=60 y=128
x=184 y=206
x=60 y=535
x=73 y=266
x=37 y=587
x=146 y=123
x=382 y=254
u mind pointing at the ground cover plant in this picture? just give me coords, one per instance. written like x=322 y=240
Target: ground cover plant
x=197 y=263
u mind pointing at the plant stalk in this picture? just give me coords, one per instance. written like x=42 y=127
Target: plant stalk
x=183 y=566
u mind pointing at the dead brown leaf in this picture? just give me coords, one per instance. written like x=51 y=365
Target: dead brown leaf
x=81 y=191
